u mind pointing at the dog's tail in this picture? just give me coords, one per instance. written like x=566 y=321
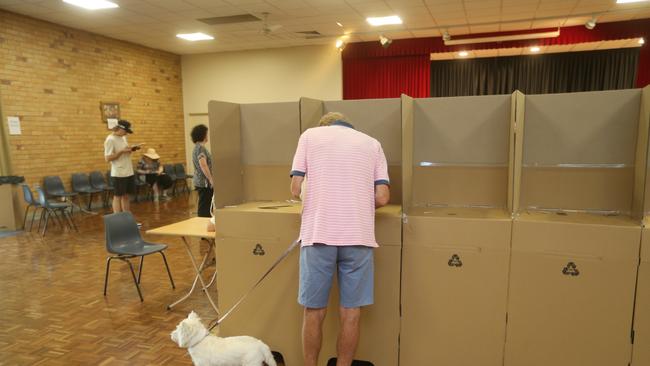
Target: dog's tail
x=268 y=357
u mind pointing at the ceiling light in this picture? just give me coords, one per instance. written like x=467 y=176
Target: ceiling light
x=393 y=19
x=534 y=49
x=641 y=41
x=340 y=44
x=385 y=41
x=92 y=4
x=195 y=36
x=591 y=23
x=339 y=24
x=463 y=53
x=629 y=1
x=446 y=36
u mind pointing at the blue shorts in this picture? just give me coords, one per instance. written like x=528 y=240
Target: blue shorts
x=319 y=262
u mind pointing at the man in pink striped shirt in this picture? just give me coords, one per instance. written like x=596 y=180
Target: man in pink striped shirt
x=347 y=178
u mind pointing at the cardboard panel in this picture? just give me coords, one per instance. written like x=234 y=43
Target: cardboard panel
x=643 y=150
x=407 y=151
x=462 y=130
x=379 y=118
x=7 y=212
x=458 y=185
x=225 y=146
x=457 y=142
x=517 y=110
x=641 y=348
x=571 y=293
x=267 y=182
x=395 y=175
x=241 y=262
x=454 y=287
x=311 y=110
x=380 y=325
x=270 y=133
x=578 y=188
x=581 y=128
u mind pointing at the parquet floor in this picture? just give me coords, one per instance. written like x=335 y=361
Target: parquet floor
x=52 y=311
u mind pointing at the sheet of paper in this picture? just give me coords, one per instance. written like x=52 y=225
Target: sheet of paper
x=14 y=125
x=111 y=123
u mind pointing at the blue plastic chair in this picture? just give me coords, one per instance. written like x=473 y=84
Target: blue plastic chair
x=81 y=185
x=51 y=209
x=54 y=188
x=31 y=202
x=182 y=176
x=123 y=239
x=97 y=181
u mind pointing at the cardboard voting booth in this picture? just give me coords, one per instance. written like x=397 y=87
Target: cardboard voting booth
x=253 y=147
x=381 y=119
x=576 y=235
x=457 y=154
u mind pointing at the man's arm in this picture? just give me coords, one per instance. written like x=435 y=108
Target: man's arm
x=382 y=195
x=116 y=155
x=296 y=183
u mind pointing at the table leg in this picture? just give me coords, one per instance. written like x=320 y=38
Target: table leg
x=198 y=275
x=196 y=280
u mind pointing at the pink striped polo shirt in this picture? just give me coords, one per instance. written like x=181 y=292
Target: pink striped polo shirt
x=342 y=167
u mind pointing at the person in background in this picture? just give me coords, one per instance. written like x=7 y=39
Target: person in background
x=118 y=152
x=347 y=178
x=202 y=161
x=149 y=165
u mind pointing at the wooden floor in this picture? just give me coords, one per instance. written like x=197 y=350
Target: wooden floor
x=52 y=311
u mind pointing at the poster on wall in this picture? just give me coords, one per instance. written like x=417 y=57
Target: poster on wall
x=14 y=125
x=109 y=110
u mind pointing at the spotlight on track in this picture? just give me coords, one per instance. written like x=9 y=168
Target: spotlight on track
x=385 y=41
x=446 y=36
x=591 y=23
x=340 y=45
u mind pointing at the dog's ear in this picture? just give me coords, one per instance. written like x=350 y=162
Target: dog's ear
x=181 y=335
x=193 y=315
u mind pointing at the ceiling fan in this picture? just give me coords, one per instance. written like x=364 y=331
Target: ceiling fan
x=267 y=28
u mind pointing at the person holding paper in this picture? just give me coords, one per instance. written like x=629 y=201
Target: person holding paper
x=118 y=152
x=347 y=178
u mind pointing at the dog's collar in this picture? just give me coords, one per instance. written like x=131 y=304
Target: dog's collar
x=207 y=333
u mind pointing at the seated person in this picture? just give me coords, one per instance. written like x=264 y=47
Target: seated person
x=149 y=165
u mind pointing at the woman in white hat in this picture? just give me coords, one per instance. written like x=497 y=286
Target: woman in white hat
x=149 y=165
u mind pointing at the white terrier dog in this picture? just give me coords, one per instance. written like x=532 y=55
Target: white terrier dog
x=209 y=350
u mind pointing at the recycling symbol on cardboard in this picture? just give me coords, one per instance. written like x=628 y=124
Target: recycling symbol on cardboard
x=258 y=250
x=455 y=261
x=570 y=270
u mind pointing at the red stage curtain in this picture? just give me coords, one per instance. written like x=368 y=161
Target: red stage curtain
x=360 y=58
x=386 y=77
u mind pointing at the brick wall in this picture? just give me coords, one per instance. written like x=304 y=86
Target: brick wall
x=55 y=77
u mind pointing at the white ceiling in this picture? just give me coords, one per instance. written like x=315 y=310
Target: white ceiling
x=154 y=23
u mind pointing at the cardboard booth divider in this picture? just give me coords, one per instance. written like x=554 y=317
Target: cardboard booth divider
x=456 y=235
x=576 y=232
x=641 y=347
x=225 y=146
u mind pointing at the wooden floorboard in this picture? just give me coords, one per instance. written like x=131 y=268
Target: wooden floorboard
x=52 y=311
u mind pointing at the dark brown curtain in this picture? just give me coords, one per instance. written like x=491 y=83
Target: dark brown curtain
x=536 y=74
